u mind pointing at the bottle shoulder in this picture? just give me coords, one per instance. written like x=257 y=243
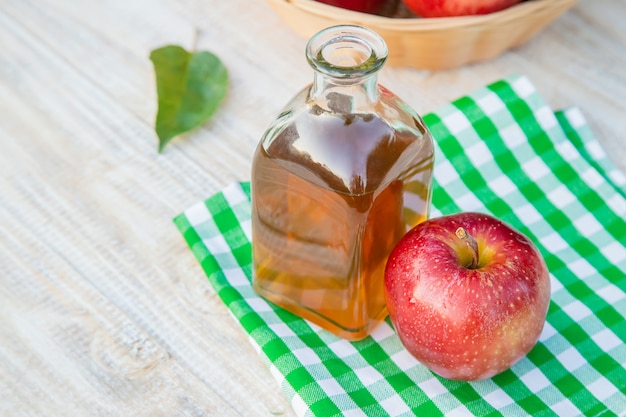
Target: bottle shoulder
x=354 y=153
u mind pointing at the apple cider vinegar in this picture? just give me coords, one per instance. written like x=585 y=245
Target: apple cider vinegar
x=337 y=180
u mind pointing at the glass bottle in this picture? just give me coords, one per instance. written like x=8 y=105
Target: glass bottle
x=337 y=179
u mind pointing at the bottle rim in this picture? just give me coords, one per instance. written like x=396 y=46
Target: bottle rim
x=346 y=51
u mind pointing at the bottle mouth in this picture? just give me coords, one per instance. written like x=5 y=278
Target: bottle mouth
x=346 y=51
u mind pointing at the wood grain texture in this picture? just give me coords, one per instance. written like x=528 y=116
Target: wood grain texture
x=103 y=310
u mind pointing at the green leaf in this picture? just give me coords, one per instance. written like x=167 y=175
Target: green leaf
x=190 y=88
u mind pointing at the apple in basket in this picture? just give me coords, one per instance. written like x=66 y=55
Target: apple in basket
x=364 y=6
x=445 y=8
x=467 y=294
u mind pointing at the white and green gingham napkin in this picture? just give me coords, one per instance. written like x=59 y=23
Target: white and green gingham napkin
x=499 y=150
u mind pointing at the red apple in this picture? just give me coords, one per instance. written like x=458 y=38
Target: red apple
x=445 y=8
x=467 y=294
x=364 y=6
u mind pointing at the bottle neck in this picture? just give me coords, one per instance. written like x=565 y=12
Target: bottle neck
x=346 y=61
x=345 y=96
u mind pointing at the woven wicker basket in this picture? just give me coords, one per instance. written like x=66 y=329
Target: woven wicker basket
x=432 y=43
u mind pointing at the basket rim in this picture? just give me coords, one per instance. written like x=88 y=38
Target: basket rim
x=525 y=8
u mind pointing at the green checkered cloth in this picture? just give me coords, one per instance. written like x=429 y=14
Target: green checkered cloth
x=500 y=150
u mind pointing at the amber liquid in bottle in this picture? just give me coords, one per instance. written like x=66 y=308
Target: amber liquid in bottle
x=332 y=193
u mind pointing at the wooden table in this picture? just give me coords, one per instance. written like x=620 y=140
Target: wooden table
x=103 y=309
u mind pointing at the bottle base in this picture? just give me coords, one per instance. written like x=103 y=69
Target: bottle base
x=349 y=333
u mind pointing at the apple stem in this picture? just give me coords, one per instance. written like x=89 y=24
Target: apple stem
x=471 y=243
